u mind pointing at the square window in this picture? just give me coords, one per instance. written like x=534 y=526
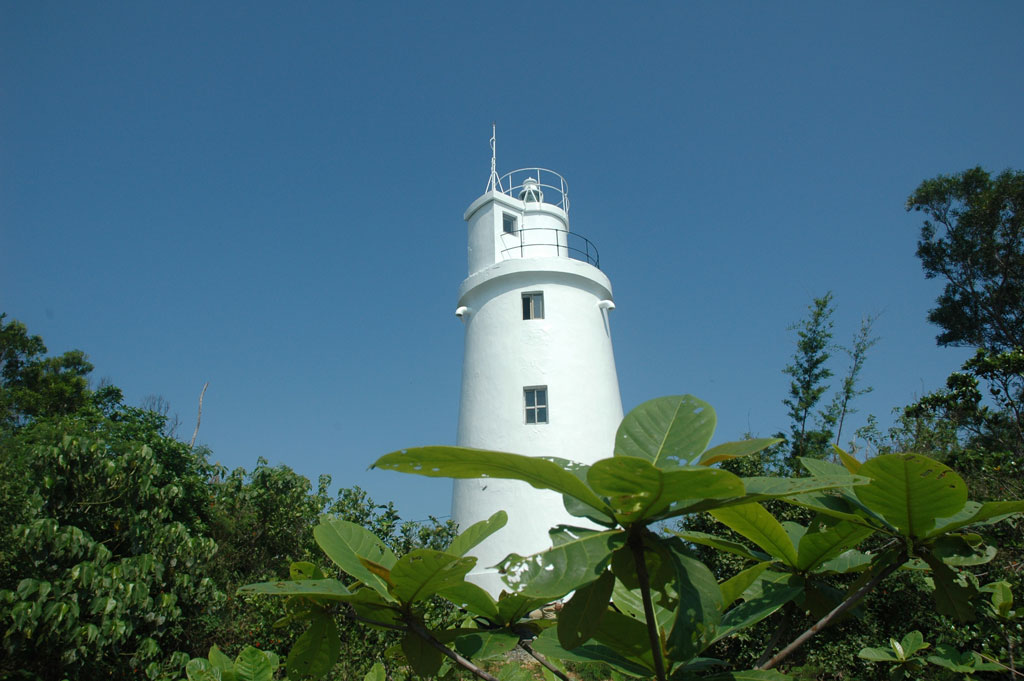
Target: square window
x=508 y=223
x=536 y=400
x=533 y=305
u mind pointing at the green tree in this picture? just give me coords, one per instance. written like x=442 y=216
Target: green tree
x=973 y=240
x=33 y=385
x=808 y=374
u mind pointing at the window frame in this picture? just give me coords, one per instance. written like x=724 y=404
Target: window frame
x=541 y=406
x=533 y=305
x=506 y=220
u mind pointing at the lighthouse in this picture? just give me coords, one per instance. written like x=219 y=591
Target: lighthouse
x=538 y=374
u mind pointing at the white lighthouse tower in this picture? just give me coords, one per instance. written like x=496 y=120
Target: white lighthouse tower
x=538 y=376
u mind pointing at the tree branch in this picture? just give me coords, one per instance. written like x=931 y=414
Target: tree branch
x=544 y=661
x=422 y=632
x=199 y=417
x=836 y=612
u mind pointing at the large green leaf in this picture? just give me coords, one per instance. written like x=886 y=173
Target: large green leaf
x=842 y=505
x=198 y=669
x=816 y=547
x=347 y=544
x=424 y=658
x=974 y=513
x=485 y=644
x=699 y=604
x=626 y=636
x=734 y=587
x=721 y=544
x=514 y=607
x=667 y=431
x=316 y=651
x=578 y=557
x=375 y=609
x=254 y=665
x=473 y=598
x=422 y=573
x=582 y=614
x=952 y=598
x=759 y=526
x=637 y=490
x=847 y=561
x=329 y=589
x=911 y=491
x=733 y=450
x=476 y=533
x=630 y=602
x=462 y=462
x=748 y=613
x=547 y=644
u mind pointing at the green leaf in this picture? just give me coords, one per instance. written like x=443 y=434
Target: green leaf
x=305 y=570
x=911 y=491
x=514 y=607
x=966 y=662
x=347 y=544
x=952 y=598
x=667 y=431
x=733 y=450
x=199 y=669
x=422 y=573
x=219 y=660
x=253 y=665
x=476 y=533
x=424 y=658
x=734 y=587
x=316 y=651
x=699 y=601
x=639 y=491
x=878 y=655
x=759 y=526
x=818 y=547
x=330 y=589
x=847 y=561
x=578 y=557
x=376 y=673
x=955 y=549
x=912 y=642
x=375 y=609
x=851 y=464
x=473 y=598
x=582 y=614
x=462 y=462
x=721 y=544
x=823 y=469
x=626 y=636
x=484 y=645
x=547 y=645
x=974 y=513
x=749 y=613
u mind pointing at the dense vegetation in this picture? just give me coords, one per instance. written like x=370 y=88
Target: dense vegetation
x=126 y=547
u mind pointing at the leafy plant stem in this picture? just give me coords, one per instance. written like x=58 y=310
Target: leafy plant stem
x=544 y=661
x=835 y=612
x=1012 y=669
x=423 y=633
x=636 y=545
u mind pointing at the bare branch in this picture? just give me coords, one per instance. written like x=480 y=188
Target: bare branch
x=199 y=417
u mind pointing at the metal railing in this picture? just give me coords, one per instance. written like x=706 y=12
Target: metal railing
x=566 y=244
x=554 y=186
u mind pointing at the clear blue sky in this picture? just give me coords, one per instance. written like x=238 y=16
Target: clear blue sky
x=269 y=197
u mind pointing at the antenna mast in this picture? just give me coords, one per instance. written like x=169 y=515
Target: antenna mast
x=494 y=183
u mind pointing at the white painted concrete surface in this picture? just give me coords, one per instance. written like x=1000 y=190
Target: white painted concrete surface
x=569 y=351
